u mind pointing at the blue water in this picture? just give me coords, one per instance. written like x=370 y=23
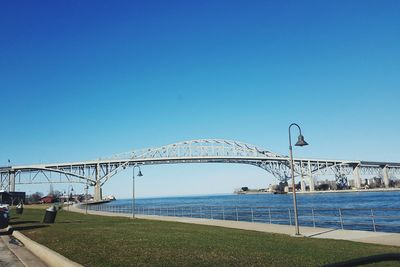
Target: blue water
x=373 y=211
x=318 y=200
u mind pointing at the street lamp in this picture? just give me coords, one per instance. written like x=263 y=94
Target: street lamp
x=300 y=142
x=133 y=188
x=72 y=190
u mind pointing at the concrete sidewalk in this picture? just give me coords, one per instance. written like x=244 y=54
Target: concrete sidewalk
x=390 y=239
x=13 y=253
x=7 y=258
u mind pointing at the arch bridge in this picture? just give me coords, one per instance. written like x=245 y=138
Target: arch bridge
x=97 y=172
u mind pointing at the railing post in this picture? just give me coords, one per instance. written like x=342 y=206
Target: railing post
x=373 y=220
x=223 y=213
x=252 y=215
x=191 y=212
x=313 y=217
x=270 y=217
x=211 y=212
x=237 y=214
x=341 y=218
x=201 y=212
x=290 y=217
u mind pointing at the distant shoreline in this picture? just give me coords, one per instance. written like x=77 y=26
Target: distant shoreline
x=350 y=191
x=322 y=192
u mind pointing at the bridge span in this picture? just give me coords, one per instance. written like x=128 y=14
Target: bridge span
x=97 y=172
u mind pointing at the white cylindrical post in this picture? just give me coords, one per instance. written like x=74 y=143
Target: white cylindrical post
x=357 y=177
x=386 y=181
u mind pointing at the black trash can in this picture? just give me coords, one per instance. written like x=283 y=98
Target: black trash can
x=50 y=215
x=4 y=218
x=20 y=208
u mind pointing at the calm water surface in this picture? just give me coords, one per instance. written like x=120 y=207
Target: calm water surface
x=372 y=211
x=318 y=200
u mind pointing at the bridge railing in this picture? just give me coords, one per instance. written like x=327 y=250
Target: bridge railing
x=368 y=219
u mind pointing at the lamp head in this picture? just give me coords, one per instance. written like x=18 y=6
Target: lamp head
x=301 y=141
x=140 y=173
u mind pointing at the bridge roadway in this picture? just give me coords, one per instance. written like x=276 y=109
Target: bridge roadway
x=97 y=172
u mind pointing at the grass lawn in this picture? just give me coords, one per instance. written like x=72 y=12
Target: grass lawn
x=109 y=241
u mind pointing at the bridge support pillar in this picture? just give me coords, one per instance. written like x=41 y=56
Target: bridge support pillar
x=303 y=183
x=311 y=178
x=386 y=181
x=97 y=188
x=11 y=181
x=357 y=177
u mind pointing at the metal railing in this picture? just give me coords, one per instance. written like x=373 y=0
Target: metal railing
x=369 y=219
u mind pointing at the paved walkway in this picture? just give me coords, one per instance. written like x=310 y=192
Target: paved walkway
x=7 y=258
x=13 y=253
x=391 y=239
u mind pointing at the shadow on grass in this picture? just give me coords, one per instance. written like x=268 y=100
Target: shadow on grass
x=79 y=221
x=23 y=222
x=10 y=230
x=29 y=227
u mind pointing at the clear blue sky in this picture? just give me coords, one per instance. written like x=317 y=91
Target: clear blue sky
x=85 y=79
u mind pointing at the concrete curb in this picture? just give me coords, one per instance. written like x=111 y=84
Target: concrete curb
x=48 y=256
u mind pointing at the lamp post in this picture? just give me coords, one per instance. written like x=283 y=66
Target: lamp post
x=300 y=142
x=72 y=190
x=133 y=188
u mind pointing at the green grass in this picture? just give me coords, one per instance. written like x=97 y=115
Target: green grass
x=109 y=241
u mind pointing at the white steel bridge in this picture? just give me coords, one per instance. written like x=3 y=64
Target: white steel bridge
x=97 y=172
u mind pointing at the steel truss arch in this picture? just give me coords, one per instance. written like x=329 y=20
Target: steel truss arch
x=98 y=172
x=60 y=171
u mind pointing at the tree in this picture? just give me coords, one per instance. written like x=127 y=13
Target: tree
x=57 y=193
x=35 y=197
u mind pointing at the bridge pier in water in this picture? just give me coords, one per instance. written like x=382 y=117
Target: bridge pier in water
x=303 y=183
x=357 y=177
x=385 y=171
x=97 y=188
x=311 y=179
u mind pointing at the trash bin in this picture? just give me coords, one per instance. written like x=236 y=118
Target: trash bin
x=50 y=215
x=20 y=208
x=4 y=217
